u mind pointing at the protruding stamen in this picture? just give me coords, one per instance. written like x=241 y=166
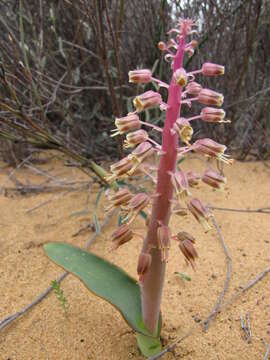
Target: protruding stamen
x=180 y=77
x=210 y=97
x=147 y=100
x=200 y=213
x=127 y=123
x=184 y=130
x=180 y=184
x=135 y=138
x=136 y=204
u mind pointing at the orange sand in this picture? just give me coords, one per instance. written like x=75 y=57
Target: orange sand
x=95 y=330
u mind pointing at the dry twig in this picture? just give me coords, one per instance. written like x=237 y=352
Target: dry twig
x=6 y=321
x=227 y=281
x=222 y=307
x=266 y=356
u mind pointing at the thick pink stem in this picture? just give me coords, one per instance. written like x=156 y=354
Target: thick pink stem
x=151 y=290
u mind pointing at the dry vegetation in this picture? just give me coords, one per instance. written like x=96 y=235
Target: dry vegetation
x=67 y=62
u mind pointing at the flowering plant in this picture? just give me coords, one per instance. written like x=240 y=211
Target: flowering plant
x=140 y=304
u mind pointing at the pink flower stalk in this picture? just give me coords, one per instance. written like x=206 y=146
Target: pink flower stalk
x=172 y=184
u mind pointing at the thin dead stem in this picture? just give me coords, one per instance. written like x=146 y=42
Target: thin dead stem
x=244 y=289
x=227 y=281
x=9 y=319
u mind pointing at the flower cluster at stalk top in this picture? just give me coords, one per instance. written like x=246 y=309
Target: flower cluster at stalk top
x=144 y=148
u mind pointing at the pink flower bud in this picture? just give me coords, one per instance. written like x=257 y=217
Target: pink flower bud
x=147 y=100
x=143 y=266
x=193 y=178
x=210 y=97
x=213 y=115
x=142 y=76
x=200 y=213
x=127 y=123
x=180 y=77
x=163 y=240
x=214 y=179
x=162 y=46
x=142 y=151
x=180 y=184
x=135 y=205
x=121 y=197
x=193 y=88
x=210 y=69
x=121 y=169
x=186 y=245
x=135 y=138
x=121 y=236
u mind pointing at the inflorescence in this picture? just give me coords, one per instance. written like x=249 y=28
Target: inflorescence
x=145 y=148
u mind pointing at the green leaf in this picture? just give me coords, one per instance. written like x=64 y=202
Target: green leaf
x=149 y=346
x=104 y=279
x=183 y=276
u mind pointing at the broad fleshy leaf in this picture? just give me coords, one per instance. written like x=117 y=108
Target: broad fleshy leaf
x=149 y=346
x=104 y=279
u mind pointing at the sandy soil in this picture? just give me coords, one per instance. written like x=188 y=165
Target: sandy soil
x=93 y=329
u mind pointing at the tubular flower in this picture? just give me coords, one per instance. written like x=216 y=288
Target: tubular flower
x=127 y=123
x=186 y=245
x=147 y=100
x=179 y=211
x=142 y=76
x=142 y=151
x=135 y=138
x=210 y=69
x=135 y=205
x=183 y=128
x=210 y=97
x=193 y=88
x=211 y=148
x=120 y=198
x=213 y=115
x=180 y=184
x=214 y=179
x=163 y=240
x=121 y=236
x=121 y=169
x=201 y=214
x=193 y=178
x=180 y=77
x=144 y=264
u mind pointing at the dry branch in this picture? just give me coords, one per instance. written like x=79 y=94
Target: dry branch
x=6 y=321
x=227 y=281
